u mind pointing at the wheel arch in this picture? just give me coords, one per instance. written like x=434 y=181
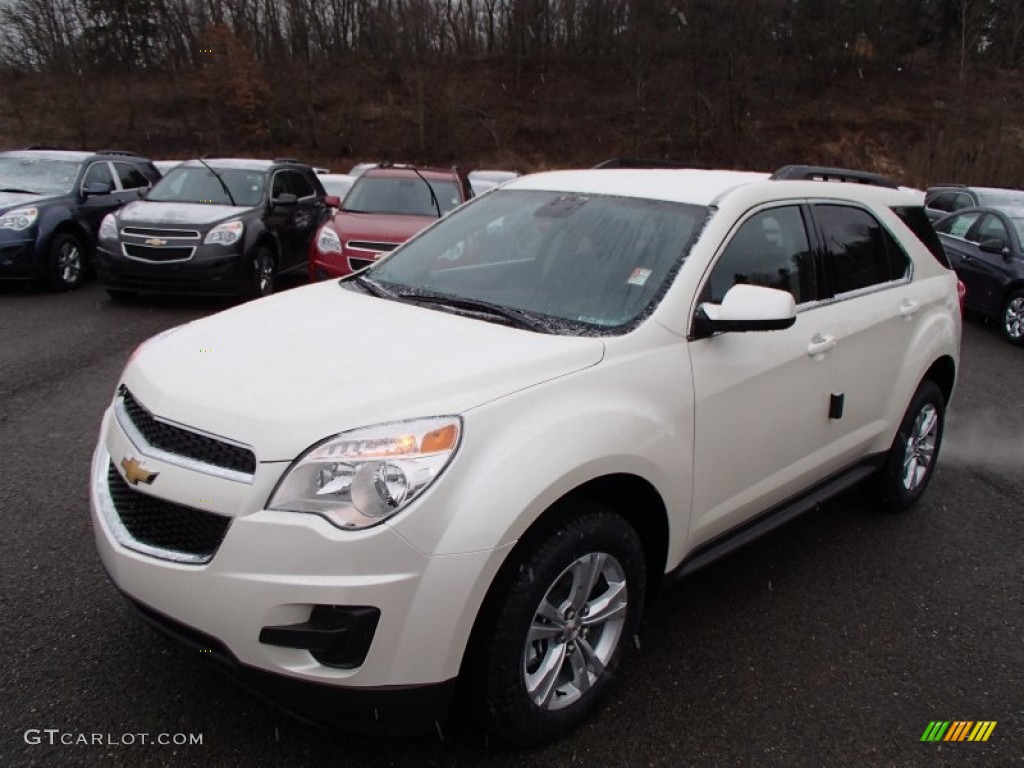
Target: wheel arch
x=627 y=495
x=943 y=373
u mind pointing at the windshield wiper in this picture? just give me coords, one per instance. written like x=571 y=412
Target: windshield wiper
x=373 y=286
x=19 y=191
x=223 y=184
x=514 y=317
x=433 y=197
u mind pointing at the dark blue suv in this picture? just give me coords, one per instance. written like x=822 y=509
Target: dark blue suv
x=51 y=206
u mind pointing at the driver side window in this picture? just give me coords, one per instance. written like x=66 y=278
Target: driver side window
x=99 y=173
x=769 y=249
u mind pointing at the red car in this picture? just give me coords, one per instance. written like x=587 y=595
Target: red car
x=386 y=206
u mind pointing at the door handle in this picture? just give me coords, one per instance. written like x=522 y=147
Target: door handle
x=820 y=345
x=908 y=308
x=966 y=257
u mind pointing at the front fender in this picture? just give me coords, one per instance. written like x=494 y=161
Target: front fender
x=630 y=414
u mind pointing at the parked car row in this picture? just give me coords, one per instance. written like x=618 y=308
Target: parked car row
x=221 y=226
x=233 y=226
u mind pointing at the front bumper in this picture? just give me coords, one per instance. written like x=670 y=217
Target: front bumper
x=215 y=270
x=325 y=266
x=385 y=710
x=18 y=256
x=273 y=569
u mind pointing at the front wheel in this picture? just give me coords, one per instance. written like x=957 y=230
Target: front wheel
x=66 y=262
x=1013 y=318
x=261 y=273
x=911 y=460
x=556 y=626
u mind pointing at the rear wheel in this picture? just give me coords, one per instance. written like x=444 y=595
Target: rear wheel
x=556 y=626
x=911 y=460
x=1012 y=324
x=66 y=262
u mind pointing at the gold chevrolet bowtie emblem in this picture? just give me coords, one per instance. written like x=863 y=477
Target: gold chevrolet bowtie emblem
x=134 y=473
x=156 y=241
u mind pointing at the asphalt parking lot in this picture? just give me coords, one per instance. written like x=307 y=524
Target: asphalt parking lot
x=834 y=641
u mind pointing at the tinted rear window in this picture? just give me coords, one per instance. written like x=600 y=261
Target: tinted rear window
x=917 y=222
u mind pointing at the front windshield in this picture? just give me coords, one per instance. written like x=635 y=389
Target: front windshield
x=587 y=263
x=38 y=175
x=401 y=195
x=197 y=184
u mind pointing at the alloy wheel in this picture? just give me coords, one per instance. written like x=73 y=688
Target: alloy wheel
x=575 y=631
x=1013 y=318
x=920 y=451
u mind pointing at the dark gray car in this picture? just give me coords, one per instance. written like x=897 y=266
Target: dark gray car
x=984 y=246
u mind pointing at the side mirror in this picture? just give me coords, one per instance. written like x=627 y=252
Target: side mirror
x=332 y=201
x=747 y=308
x=284 y=200
x=97 y=188
x=996 y=245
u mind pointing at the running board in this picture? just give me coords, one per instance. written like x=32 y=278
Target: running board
x=774 y=518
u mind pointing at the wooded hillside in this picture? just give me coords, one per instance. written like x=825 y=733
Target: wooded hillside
x=924 y=90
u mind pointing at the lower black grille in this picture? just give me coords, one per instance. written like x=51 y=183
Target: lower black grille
x=164 y=524
x=185 y=443
x=357 y=264
x=151 y=253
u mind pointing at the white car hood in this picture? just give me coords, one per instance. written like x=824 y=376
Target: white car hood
x=153 y=212
x=285 y=372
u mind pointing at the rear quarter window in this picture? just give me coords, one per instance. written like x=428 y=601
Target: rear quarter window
x=917 y=222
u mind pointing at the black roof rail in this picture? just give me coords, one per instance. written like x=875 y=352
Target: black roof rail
x=47 y=147
x=821 y=173
x=287 y=160
x=124 y=152
x=951 y=185
x=646 y=162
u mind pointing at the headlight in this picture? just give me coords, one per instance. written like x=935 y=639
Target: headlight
x=108 y=227
x=328 y=241
x=19 y=219
x=225 y=234
x=360 y=478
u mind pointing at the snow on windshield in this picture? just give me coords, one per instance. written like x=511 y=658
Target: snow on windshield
x=38 y=175
x=199 y=185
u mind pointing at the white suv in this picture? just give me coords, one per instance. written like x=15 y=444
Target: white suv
x=478 y=458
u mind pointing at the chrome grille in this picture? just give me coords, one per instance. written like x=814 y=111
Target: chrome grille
x=178 y=441
x=370 y=245
x=165 y=525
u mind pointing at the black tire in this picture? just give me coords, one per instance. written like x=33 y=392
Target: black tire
x=911 y=460
x=588 y=543
x=1011 y=321
x=262 y=273
x=116 y=294
x=67 y=262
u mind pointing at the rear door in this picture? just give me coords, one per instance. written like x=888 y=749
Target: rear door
x=869 y=314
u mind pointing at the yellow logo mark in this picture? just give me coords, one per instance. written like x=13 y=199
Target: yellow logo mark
x=156 y=242
x=135 y=474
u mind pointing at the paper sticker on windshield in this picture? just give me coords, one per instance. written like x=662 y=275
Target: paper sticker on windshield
x=639 y=276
